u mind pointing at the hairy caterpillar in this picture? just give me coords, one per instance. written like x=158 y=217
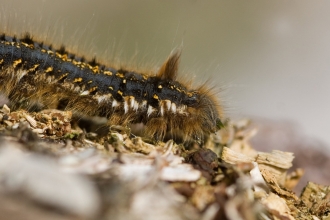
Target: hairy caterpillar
x=31 y=72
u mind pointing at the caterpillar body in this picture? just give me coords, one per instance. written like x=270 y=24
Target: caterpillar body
x=31 y=72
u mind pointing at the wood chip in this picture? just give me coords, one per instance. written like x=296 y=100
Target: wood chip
x=276 y=158
x=232 y=157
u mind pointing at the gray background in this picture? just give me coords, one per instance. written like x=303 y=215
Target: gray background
x=271 y=58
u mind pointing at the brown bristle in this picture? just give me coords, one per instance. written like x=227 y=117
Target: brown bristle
x=169 y=69
x=62 y=50
x=27 y=39
x=93 y=62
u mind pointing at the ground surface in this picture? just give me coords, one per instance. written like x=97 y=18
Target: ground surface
x=51 y=169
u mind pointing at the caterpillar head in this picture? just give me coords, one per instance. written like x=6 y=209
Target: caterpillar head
x=204 y=114
x=197 y=113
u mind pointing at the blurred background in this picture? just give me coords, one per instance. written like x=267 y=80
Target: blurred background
x=270 y=58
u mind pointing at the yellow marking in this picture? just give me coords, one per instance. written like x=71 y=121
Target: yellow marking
x=178 y=89
x=77 y=79
x=95 y=69
x=50 y=52
x=64 y=57
x=109 y=73
x=155 y=96
x=171 y=87
x=43 y=50
x=145 y=94
x=34 y=67
x=92 y=89
x=49 y=69
x=124 y=81
x=1 y=61
x=120 y=75
x=160 y=87
x=110 y=87
x=120 y=92
x=16 y=62
x=27 y=45
x=90 y=81
x=145 y=76
x=189 y=94
x=63 y=76
x=75 y=62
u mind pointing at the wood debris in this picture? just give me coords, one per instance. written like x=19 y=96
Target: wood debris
x=52 y=169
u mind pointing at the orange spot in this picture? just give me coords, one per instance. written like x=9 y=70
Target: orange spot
x=33 y=68
x=120 y=75
x=63 y=76
x=77 y=79
x=109 y=73
x=49 y=69
x=92 y=89
x=16 y=62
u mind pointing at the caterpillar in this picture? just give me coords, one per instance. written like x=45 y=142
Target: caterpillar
x=35 y=73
